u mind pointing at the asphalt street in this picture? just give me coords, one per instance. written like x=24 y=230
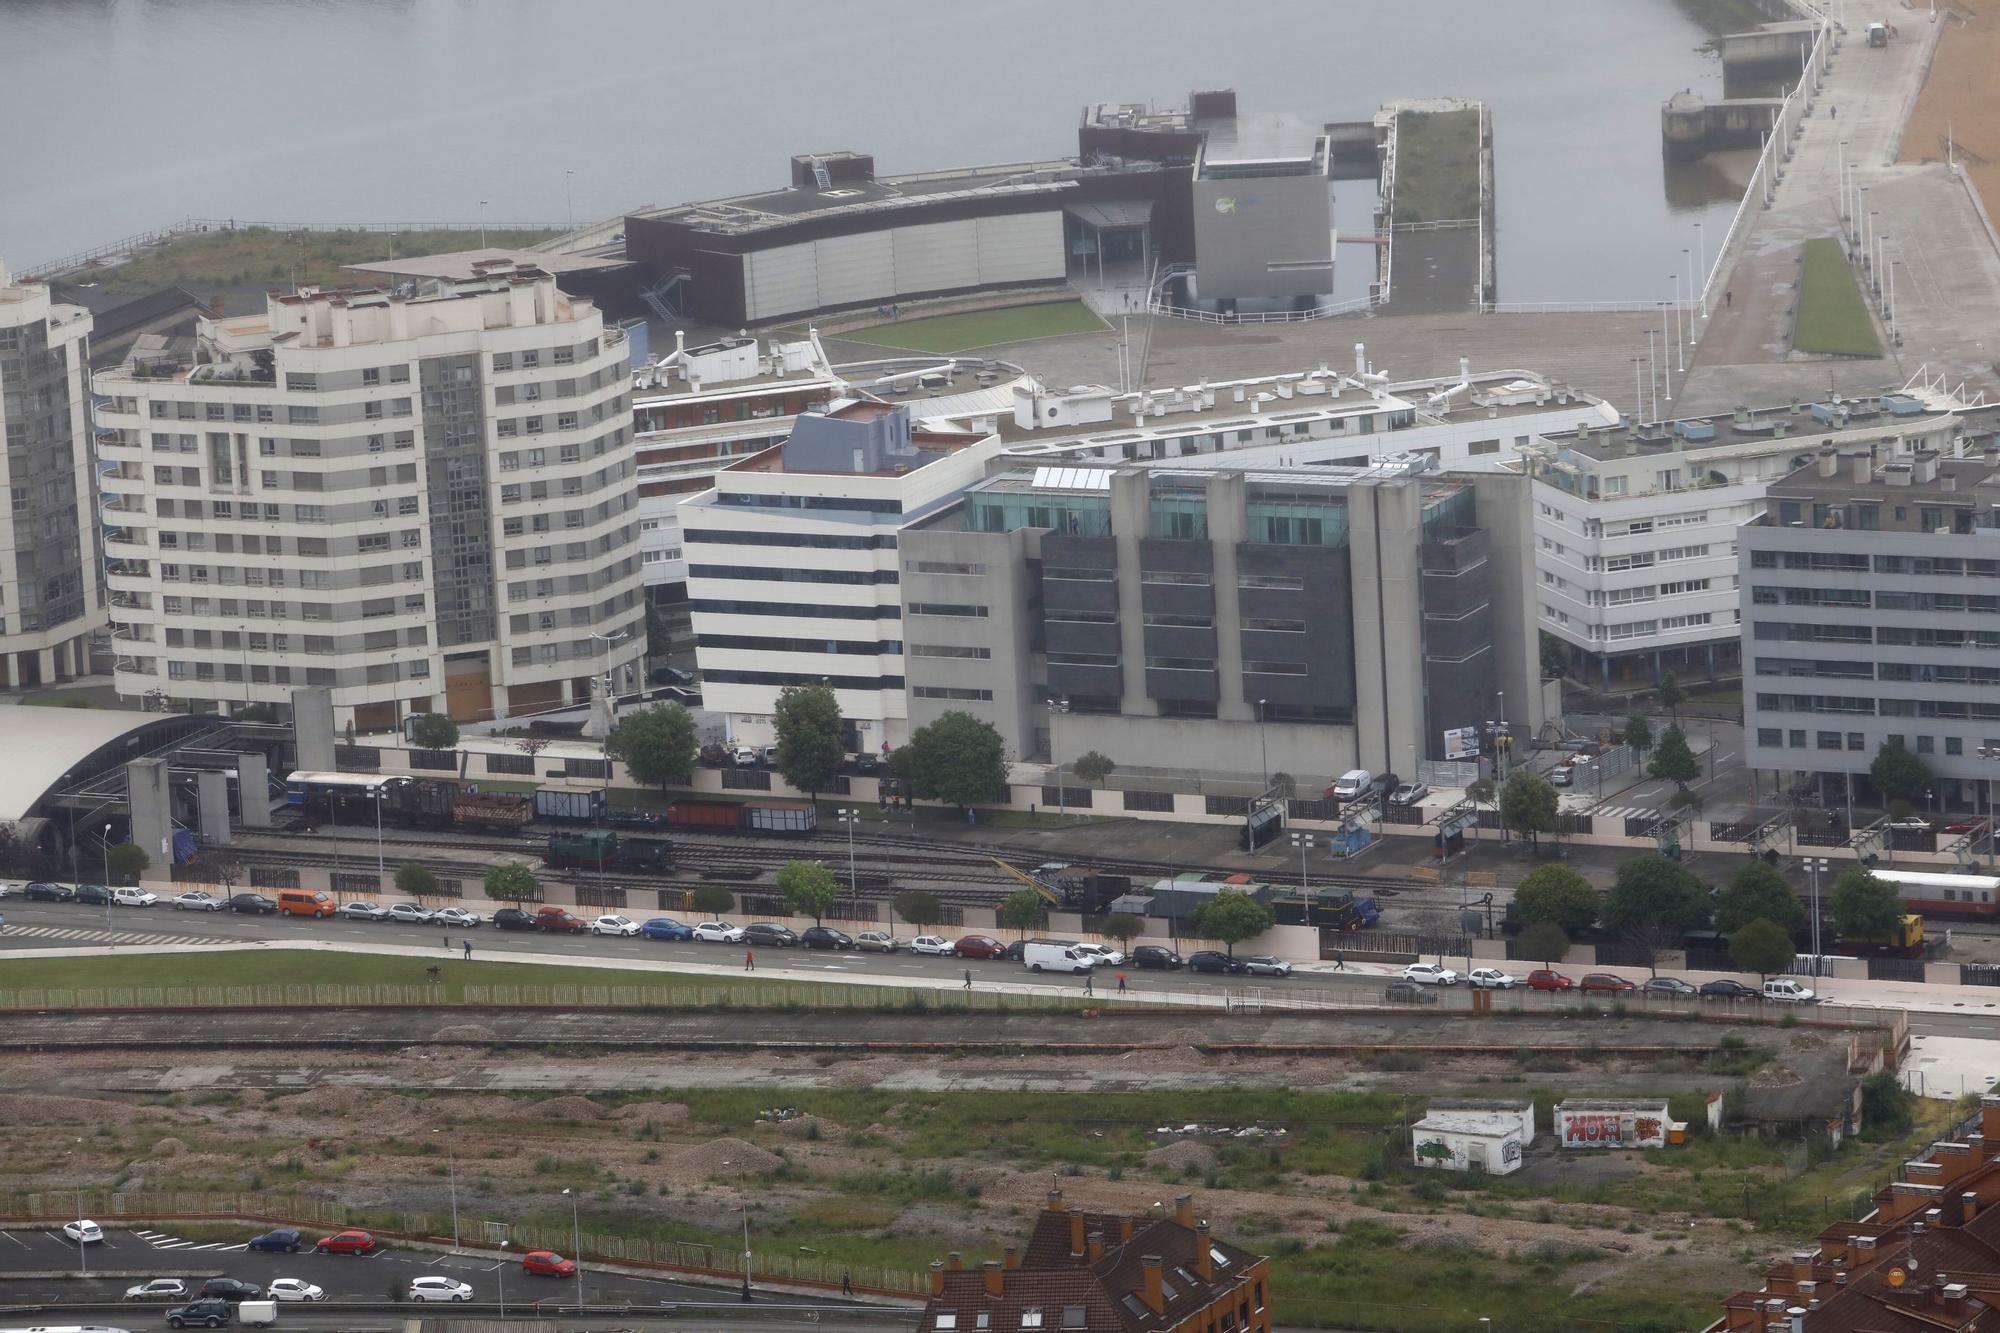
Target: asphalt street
x=138 y=1255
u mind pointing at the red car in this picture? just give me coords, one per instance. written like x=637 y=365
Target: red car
x=1543 y=978
x=1604 y=981
x=979 y=946
x=547 y=1263
x=560 y=919
x=346 y=1242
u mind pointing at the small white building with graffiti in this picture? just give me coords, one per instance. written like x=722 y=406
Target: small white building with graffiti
x=1474 y=1135
x=1598 y=1123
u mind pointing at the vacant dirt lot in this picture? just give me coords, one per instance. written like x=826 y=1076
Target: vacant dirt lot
x=1962 y=95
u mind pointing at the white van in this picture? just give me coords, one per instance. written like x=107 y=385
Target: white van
x=1354 y=782
x=1041 y=956
x=1784 y=988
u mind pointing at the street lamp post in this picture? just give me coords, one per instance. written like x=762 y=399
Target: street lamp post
x=850 y=818
x=104 y=843
x=482 y=224
x=576 y=1250
x=82 y=1252
x=1304 y=841
x=746 y=1254
x=381 y=874
x=1057 y=707
x=1263 y=752
x=500 y=1276
x=1815 y=867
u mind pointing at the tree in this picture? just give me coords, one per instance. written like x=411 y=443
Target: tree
x=1123 y=927
x=919 y=907
x=1638 y=734
x=532 y=746
x=1093 y=767
x=658 y=641
x=1022 y=910
x=1528 y=805
x=1654 y=895
x=1758 y=893
x=1673 y=761
x=512 y=881
x=433 y=731
x=1672 y=696
x=712 y=900
x=1763 y=947
x=1886 y=1105
x=1898 y=774
x=1544 y=940
x=1284 y=785
x=809 y=888
x=1864 y=907
x=414 y=881
x=958 y=759
x=809 y=725
x=657 y=744
x=1556 y=894
x=1232 y=916
x=126 y=862
x=1555 y=657
x=1480 y=791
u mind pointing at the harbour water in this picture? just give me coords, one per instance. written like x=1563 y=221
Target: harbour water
x=127 y=114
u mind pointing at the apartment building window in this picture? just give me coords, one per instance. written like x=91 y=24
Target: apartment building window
x=1072 y=616
x=1163 y=663
x=1269 y=625
x=1086 y=659
x=1185 y=578
x=1479 y=447
x=302 y=416
x=955 y=609
x=503 y=360
x=299 y=382
x=952 y=692
x=1770 y=736
x=948 y=650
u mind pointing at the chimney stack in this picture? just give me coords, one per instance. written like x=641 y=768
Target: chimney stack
x=1013 y=1259
x=1125 y=1230
x=995 y=1278
x=937 y=1278
x=1184 y=1209
x=1055 y=1203
x=1204 y=1257
x=1094 y=1247
x=954 y=1261
x=1150 y=1289
x=1075 y=1234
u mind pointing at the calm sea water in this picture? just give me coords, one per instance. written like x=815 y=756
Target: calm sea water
x=126 y=114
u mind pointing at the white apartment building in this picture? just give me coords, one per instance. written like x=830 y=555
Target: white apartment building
x=51 y=598
x=793 y=575
x=1314 y=418
x=1636 y=527
x=426 y=503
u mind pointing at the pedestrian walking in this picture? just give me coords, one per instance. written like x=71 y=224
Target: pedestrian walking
x=1728 y=298
x=468 y=949
x=846 y=1284
x=749 y=961
x=968 y=978
x=1086 y=985
x=447 y=941
x=1832 y=111
x=1121 y=983
x=1339 y=961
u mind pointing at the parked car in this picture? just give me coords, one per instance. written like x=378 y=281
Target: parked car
x=202 y=1314
x=364 y=910
x=93 y=895
x=743 y=756
x=411 y=914
x=1266 y=965
x=131 y=897
x=718 y=932
x=1430 y=974
x=83 y=1231
x=1491 y=978
x=666 y=928
x=1911 y=824
x=295 y=1289
x=513 y=918
x=560 y=920
x=979 y=946
x=1672 y=987
x=547 y=1263
x=1725 y=989
x=1604 y=983
x=463 y=918
x=434 y=1287
x=1967 y=825
x=770 y=935
x=1547 y=978
x=230 y=1289
x=1563 y=774
x=1789 y=991
x=1409 y=793
x=1155 y=957
x=1106 y=957
x=253 y=904
x=8 y=887
x=194 y=900
x=1213 y=960
x=159 y=1289
x=876 y=941
x=41 y=891
x=284 y=1240
x=1408 y=992
x=622 y=926
x=826 y=937
x=351 y=1241
x=932 y=944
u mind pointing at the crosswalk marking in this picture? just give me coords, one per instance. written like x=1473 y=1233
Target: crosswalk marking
x=84 y=935
x=1623 y=811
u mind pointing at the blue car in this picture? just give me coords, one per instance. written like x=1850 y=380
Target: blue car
x=282 y=1241
x=666 y=928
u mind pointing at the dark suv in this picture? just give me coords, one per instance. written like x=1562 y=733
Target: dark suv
x=513 y=918
x=770 y=934
x=229 y=1289
x=204 y=1313
x=1156 y=956
x=44 y=892
x=282 y=1241
x=826 y=937
x=1212 y=960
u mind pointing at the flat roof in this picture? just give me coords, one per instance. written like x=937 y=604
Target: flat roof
x=774 y=208
x=1966 y=481
x=45 y=744
x=1795 y=426
x=460 y=265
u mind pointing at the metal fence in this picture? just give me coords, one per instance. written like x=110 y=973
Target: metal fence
x=745 y=994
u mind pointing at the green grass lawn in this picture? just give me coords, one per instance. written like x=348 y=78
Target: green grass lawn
x=258 y=256
x=945 y=334
x=1437 y=166
x=1833 y=318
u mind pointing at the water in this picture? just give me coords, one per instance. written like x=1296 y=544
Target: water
x=126 y=114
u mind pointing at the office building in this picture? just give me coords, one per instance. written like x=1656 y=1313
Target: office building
x=424 y=502
x=1871 y=612
x=1306 y=621
x=1635 y=525
x=51 y=597
x=792 y=564
x=1106 y=1273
